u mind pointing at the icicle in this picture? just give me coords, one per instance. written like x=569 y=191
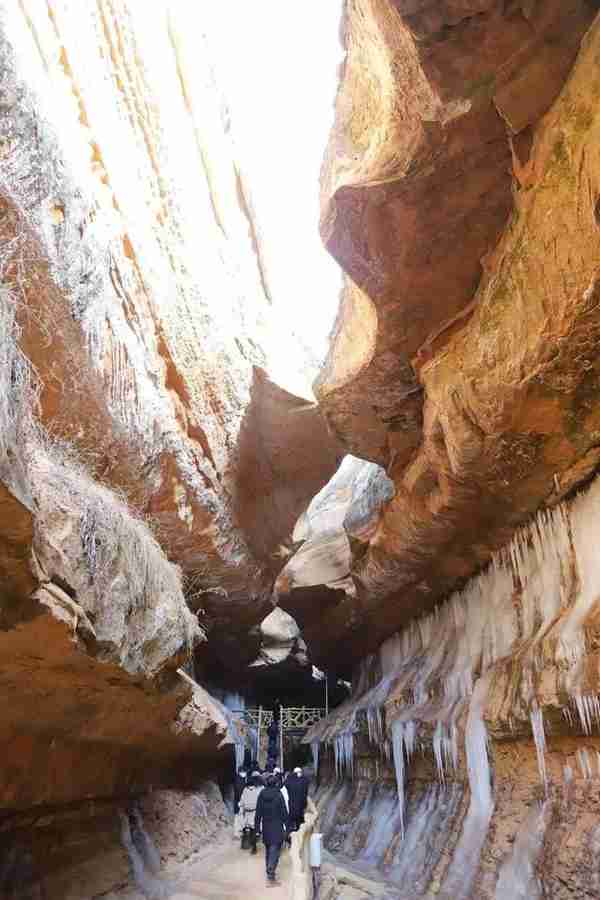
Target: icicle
x=537 y=727
x=398 y=750
x=518 y=878
x=143 y=857
x=584 y=763
x=583 y=712
x=428 y=671
x=343 y=748
x=438 y=750
x=403 y=741
x=314 y=748
x=148 y=849
x=453 y=746
x=465 y=861
x=566 y=712
x=137 y=863
x=239 y=756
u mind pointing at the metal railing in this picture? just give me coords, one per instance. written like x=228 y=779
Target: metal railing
x=295 y=717
x=291 y=718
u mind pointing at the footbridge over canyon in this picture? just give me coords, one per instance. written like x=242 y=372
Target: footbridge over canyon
x=300 y=444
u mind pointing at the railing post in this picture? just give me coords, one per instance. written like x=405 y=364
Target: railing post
x=281 y=737
x=258 y=736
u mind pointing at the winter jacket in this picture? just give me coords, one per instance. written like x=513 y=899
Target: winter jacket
x=297 y=788
x=248 y=802
x=271 y=816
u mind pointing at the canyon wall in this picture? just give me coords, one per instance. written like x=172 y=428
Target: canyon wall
x=460 y=194
x=151 y=470
x=101 y=849
x=162 y=486
x=469 y=752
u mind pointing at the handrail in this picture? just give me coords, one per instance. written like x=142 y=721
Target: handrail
x=291 y=717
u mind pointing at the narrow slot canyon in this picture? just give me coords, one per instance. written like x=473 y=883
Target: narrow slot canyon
x=299 y=450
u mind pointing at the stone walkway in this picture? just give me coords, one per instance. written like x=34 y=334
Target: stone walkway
x=223 y=872
x=233 y=875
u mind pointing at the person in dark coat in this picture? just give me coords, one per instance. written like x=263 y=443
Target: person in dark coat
x=272 y=819
x=238 y=787
x=297 y=788
x=272 y=733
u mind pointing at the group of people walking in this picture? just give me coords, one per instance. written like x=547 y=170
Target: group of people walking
x=271 y=805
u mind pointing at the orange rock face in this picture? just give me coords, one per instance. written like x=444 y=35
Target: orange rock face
x=459 y=195
x=150 y=471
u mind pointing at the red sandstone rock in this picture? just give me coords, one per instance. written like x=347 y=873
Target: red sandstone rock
x=475 y=383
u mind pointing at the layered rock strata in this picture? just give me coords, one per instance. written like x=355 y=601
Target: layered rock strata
x=134 y=396
x=93 y=624
x=460 y=194
x=103 y=849
x=127 y=244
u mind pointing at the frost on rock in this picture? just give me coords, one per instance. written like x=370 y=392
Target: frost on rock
x=314 y=749
x=517 y=628
x=403 y=743
x=518 y=879
x=539 y=736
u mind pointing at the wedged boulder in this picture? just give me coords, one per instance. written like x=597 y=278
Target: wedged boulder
x=347 y=508
x=335 y=528
x=281 y=641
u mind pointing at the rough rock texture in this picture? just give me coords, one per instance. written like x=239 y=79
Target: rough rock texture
x=93 y=624
x=182 y=823
x=79 y=853
x=489 y=711
x=534 y=847
x=460 y=194
x=148 y=352
x=419 y=167
x=137 y=418
x=280 y=641
x=342 y=516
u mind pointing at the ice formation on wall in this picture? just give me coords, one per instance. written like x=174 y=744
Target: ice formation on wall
x=508 y=646
x=143 y=855
x=518 y=879
x=465 y=860
x=314 y=749
x=369 y=837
